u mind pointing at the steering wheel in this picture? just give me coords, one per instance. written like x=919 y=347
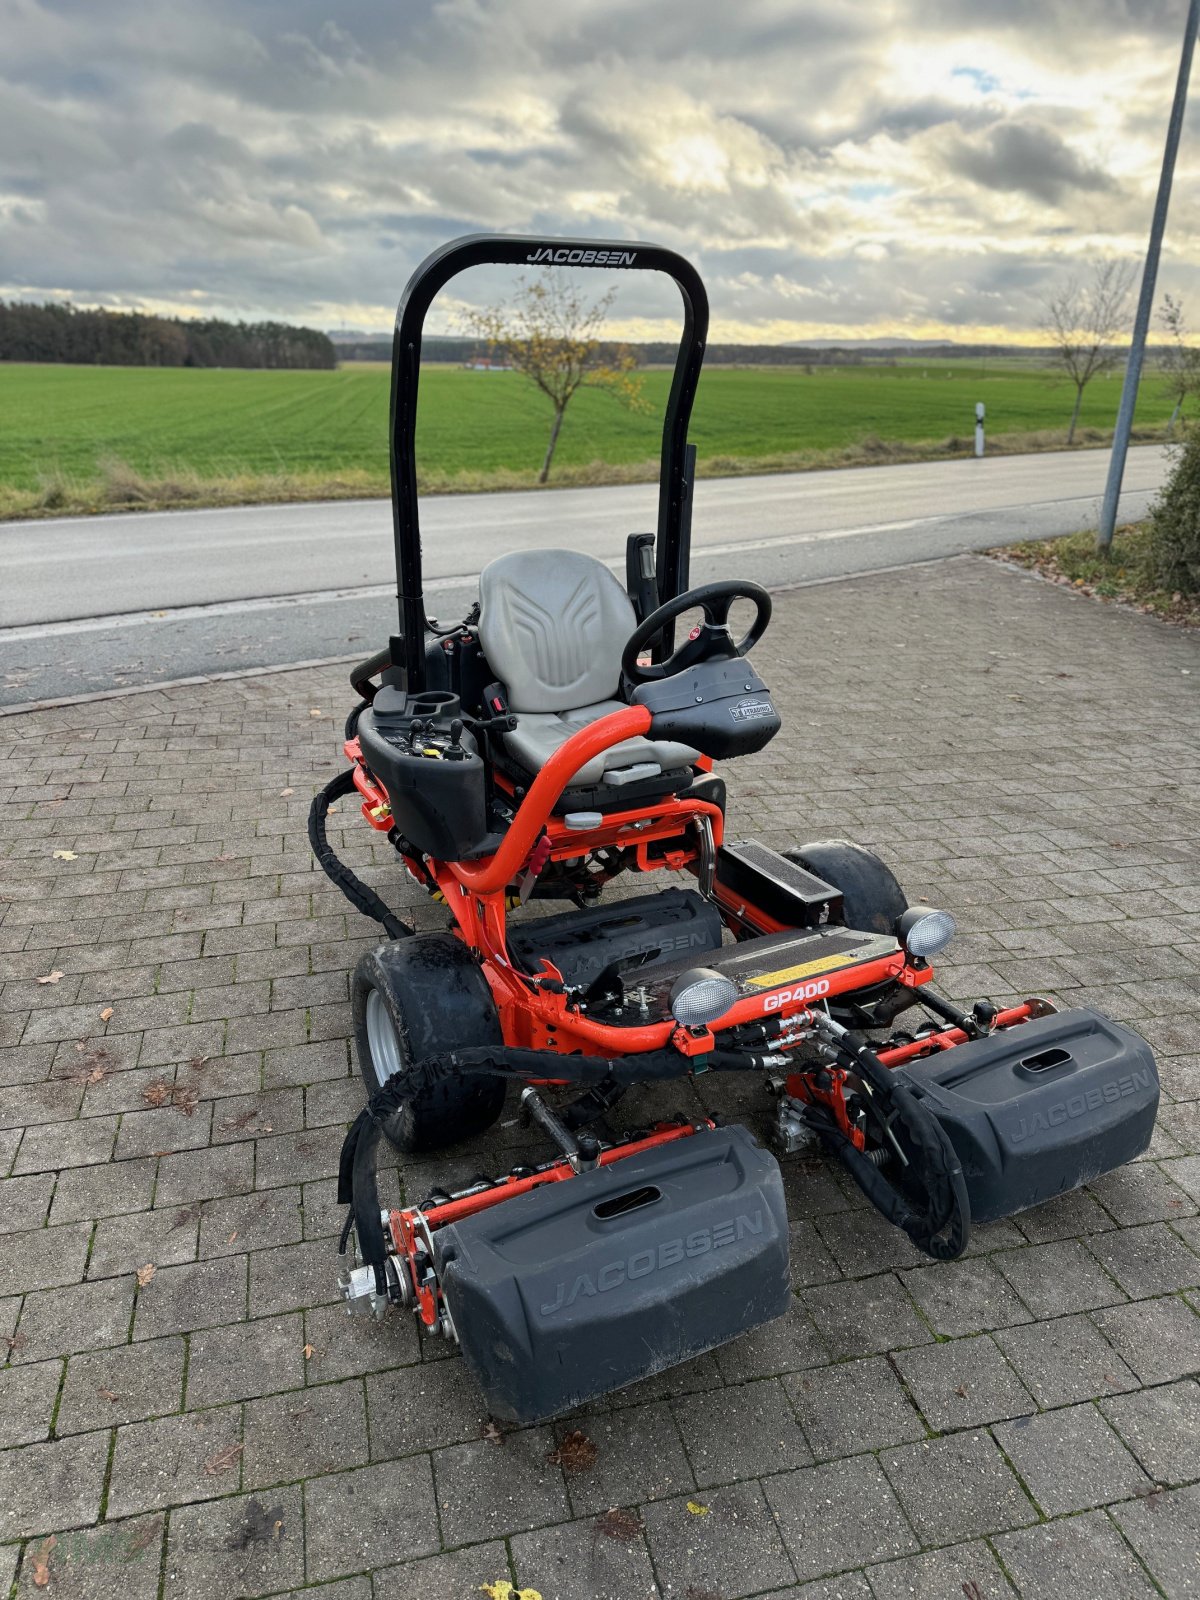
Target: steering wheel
x=713 y=642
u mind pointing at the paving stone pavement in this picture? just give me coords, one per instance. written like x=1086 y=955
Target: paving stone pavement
x=185 y=1411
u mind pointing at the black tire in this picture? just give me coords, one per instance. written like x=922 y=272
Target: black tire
x=429 y=991
x=872 y=899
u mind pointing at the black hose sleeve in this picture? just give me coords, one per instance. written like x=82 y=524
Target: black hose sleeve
x=361 y=675
x=352 y=886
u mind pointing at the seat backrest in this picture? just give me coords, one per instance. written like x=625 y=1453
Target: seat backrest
x=553 y=624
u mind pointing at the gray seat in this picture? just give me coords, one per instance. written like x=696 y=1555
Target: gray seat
x=553 y=624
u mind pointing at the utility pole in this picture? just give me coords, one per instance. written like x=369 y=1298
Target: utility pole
x=1141 y=323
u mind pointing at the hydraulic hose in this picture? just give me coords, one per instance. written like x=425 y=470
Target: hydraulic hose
x=364 y=899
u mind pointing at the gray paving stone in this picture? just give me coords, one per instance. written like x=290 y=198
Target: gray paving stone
x=745 y=1431
x=846 y=1586
x=43 y=1258
x=27 y=1397
x=1141 y=1192
x=1160 y=1339
x=81 y=1316
x=1069 y=1216
x=701 y=1375
x=865 y=1242
x=25 y=1202
x=245 y=1359
x=59 y=1145
x=957 y=1487
x=960 y=1297
x=125 y=1384
x=728 y=1544
x=251 y=1222
x=486 y=1490
x=1065 y=1360
x=204 y=1174
x=294 y=1276
x=103 y=1191
x=1070 y=1460
x=444 y=1577
x=1147 y=1261
x=245 y=1545
x=145 y=1131
x=181 y=1299
x=117 y=1561
x=359 y=1519
x=162 y=1238
x=866 y=1317
x=787 y=1345
x=573 y=1561
x=853 y=1406
x=173 y=1460
x=1073 y=1555
x=45 y=1487
x=9 y=1555
x=423 y=1407
x=966 y=1569
x=838 y=1515
x=1056 y=1279
x=962 y=1383
x=345 y=1347
x=304 y=1433
x=639 y=1457
x=1162 y=1428
x=1164 y=1529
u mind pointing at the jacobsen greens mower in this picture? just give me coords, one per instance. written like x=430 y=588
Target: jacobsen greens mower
x=553 y=740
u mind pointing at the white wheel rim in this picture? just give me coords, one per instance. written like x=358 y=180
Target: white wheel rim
x=382 y=1039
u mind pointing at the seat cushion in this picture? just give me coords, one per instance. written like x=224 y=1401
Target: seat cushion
x=538 y=734
x=553 y=624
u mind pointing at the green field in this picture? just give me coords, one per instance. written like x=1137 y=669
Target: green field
x=78 y=435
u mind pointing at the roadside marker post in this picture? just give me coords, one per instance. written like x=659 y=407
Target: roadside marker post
x=979 y=415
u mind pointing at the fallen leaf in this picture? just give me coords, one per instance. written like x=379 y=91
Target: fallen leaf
x=1152 y=1496
x=223 y=1460
x=51 y=977
x=310 y=1351
x=157 y=1093
x=697 y=1509
x=972 y=1590
x=198 y=1063
x=694 y=1593
x=41 y=1562
x=144 y=1537
x=260 y=1525
x=491 y=1433
x=106 y=1013
x=187 y=1214
x=503 y=1590
x=94 y=1068
x=145 y=1274
x=185 y=1099
x=314 y=712
x=575 y=1452
x=961 y=1391
x=107 y=1394
x=17 y=1342
x=616 y=1523
x=231 y=1237
x=283 y=793
x=65 y=855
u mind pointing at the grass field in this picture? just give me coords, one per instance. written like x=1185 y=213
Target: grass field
x=93 y=437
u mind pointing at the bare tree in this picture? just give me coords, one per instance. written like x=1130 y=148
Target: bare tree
x=550 y=332
x=1180 y=360
x=1082 y=321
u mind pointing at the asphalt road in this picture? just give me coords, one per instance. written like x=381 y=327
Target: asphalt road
x=93 y=603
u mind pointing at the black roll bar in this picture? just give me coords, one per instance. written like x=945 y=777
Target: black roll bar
x=482 y=249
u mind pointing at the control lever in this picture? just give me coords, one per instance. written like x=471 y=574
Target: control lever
x=454 y=750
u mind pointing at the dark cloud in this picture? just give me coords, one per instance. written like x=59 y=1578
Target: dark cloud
x=1024 y=158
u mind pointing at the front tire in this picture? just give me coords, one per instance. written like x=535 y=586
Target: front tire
x=420 y=997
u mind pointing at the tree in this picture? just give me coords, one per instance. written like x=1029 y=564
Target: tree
x=1180 y=360
x=549 y=332
x=1082 y=321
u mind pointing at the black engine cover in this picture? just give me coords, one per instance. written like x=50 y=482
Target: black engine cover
x=588 y=1284
x=1040 y=1108
x=642 y=931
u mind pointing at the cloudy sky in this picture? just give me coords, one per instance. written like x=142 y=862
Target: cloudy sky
x=835 y=167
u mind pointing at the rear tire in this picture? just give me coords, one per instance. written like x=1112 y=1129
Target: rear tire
x=872 y=899
x=420 y=997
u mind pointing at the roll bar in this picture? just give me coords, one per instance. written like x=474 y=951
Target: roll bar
x=482 y=249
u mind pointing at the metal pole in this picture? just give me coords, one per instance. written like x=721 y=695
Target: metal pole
x=1141 y=323
x=979 y=414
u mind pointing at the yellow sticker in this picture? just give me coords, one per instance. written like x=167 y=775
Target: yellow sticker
x=770 y=980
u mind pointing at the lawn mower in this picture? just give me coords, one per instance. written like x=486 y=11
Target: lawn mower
x=555 y=739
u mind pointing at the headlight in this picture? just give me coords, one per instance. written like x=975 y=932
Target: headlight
x=701 y=995
x=923 y=932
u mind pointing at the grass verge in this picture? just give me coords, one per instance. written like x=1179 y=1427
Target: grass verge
x=119 y=487
x=1126 y=576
